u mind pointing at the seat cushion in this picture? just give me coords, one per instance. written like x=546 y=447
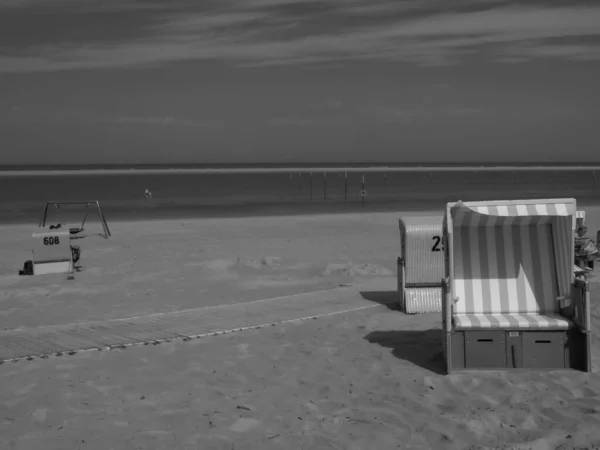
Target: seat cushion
x=511 y=321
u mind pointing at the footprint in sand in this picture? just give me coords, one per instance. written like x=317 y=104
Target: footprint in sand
x=243 y=348
x=39 y=415
x=244 y=424
x=94 y=271
x=25 y=390
x=354 y=270
x=218 y=264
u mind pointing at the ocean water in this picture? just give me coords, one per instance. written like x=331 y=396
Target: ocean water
x=22 y=198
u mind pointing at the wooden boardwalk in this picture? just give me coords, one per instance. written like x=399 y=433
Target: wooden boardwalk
x=57 y=340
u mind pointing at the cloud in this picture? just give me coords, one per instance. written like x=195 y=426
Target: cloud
x=308 y=121
x=169 y=121
x=327 y=104
x=267 y=32
x=6 y=4
x=25 y=114
x=529 y=50
x=395 y=114
x=185 y=24
x=89 y=6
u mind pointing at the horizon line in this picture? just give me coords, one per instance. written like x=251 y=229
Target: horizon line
x=290 y=170
x=184 y=165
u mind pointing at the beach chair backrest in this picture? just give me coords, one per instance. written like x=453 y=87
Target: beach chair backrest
x=505 y=270
x=511 y=263
x=422 y=250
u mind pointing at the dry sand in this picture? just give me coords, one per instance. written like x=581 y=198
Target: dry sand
x=151 y=267
x=364 y=380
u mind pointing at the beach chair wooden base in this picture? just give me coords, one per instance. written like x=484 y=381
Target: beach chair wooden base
x=518 y=349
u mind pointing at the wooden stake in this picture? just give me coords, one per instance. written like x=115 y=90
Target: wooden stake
x=345 y=187
x=362 y=196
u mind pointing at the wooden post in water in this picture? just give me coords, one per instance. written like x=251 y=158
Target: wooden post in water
x=311 y=186
x=346 y=187
x=324 y=185
x=362 y=192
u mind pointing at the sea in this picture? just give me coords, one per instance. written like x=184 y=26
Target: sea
x=188 y=191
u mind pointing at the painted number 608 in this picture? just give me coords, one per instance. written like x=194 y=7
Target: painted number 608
x=438 y=246
x=52 y=240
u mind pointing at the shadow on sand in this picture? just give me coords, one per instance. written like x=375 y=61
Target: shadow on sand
x=387 y=298
x=420 y=347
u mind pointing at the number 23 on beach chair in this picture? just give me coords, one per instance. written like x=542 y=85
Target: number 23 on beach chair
x=510 y=299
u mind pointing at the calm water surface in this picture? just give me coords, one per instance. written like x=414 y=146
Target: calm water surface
x=22 y=198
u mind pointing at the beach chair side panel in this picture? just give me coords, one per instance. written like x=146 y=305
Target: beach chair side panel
x=580 y=338
x=454 y=354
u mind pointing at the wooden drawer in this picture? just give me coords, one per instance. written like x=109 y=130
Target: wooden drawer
x=485 y=349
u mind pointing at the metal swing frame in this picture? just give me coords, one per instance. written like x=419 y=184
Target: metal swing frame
x=87 y=204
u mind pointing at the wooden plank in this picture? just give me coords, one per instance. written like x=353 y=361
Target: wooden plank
x=43 y=341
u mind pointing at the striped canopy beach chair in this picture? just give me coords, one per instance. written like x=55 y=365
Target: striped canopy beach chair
x=510 y=299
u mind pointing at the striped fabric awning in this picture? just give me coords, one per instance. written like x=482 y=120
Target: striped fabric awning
x=510 y=213
x=558 y=216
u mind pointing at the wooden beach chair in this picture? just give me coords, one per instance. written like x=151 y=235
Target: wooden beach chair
x=510 y=297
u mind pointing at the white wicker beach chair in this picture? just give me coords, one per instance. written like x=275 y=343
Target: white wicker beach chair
x=510 y=299
x=421 y=264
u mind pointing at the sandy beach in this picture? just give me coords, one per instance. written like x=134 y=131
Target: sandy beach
x=370 y=379
x=253 y=159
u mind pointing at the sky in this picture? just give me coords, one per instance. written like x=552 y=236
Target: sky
x=226 y=81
